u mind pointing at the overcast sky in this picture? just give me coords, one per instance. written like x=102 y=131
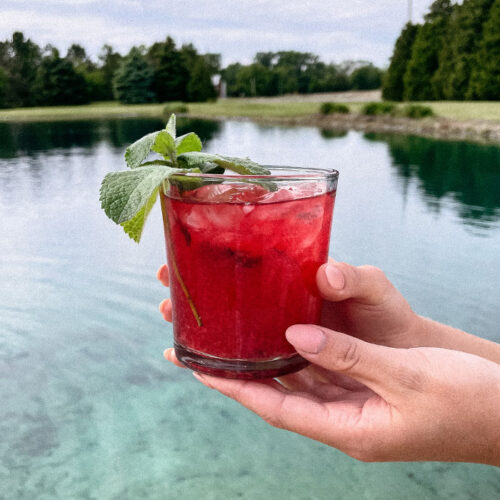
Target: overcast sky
x=336 y=30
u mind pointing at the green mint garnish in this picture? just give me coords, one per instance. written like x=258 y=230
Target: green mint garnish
x=128 y=196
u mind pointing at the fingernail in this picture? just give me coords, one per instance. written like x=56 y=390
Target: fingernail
x=335 y=277
x=307 y=338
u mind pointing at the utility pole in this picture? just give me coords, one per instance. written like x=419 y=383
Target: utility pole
x=410 y=10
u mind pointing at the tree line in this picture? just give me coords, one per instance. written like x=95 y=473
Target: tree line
x=34 y=76
x=453 y=55
x=288 y=72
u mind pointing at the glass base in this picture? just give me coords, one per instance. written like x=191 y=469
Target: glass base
x=237 y=368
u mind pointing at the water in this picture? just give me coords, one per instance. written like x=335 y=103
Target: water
x=90 y=409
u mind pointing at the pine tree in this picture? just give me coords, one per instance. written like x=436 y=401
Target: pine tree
x=133 y=80
x=57 y=82
x=171 y=75
x=424 y=57
x=393 y=85
x=485 y=75
x=460 y=45
x=24 y=57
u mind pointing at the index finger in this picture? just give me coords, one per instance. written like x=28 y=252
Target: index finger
x=162 y=275
x=298 y=413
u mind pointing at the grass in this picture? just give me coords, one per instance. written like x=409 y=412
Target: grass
x=89 y=111
x=466 y=110
x=233 y=107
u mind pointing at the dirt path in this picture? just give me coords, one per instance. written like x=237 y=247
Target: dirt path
x=349 y=96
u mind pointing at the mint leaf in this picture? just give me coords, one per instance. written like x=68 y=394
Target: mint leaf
x=188 y=142
x=124 y=194
x=137 y=152
x=243 y=166
x=164 y=144
x=134 y=226
x=166 y=163
x=171 y=125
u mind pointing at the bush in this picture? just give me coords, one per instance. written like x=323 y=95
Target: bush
x=416 y=111
x=176 y=107
x=333 y=107
x=378 y=108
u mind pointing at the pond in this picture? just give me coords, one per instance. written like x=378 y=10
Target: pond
x=89 y=407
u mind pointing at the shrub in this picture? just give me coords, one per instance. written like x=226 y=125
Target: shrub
x=416 y=111
x=175 y=107
x=333 y=107
x=378 y=108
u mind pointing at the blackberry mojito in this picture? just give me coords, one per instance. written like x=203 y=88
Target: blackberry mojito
x=243 y=253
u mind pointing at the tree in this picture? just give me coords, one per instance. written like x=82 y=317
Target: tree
x=230 y=76
x=200 y=87
x=22 y=60
x=77 y=55
x=267 y=59
x=485 y=74
x=393 y=85
x=133 y=80
x=58 y=83
x=459 y=48
x=424 y=57
x=171 y=75
x=366 y=78
x=255 y=80
x=3 y=87
x=110 y=62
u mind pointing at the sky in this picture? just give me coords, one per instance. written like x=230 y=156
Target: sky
x=335 y=30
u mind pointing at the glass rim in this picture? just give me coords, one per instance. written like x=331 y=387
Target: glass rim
x=309 y=173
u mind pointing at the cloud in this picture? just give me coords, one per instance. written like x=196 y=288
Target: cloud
x=334 y=30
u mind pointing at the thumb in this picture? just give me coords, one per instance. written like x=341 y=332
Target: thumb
x=340 y=281
x=375 y=366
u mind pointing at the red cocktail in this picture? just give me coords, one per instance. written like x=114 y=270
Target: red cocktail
x=243 y=259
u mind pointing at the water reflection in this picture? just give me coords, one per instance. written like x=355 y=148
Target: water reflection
x=469 y=173
x=332 y=134
x=29 y=139
x=82 y=380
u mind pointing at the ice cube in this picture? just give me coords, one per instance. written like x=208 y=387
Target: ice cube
x=230 y=193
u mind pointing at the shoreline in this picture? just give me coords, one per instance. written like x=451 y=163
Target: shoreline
x=460 y=121
x=480 y=131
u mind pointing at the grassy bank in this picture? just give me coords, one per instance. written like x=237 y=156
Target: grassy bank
x=283 y=107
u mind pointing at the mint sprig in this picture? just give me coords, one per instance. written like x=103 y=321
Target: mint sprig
x=127 y=197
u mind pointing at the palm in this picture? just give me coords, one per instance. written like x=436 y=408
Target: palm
x=349 y=403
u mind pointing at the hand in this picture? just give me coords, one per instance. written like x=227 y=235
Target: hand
x=359 y=301
x=374 y=402
x=378 y=403
x=362 y=302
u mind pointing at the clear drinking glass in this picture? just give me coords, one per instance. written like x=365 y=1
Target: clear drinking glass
x=243 y=252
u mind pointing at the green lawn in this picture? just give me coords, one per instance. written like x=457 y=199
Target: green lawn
x=233 y=107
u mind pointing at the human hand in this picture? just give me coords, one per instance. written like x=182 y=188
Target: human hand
x=359 y=301
x=379 y=403
x=362 y=302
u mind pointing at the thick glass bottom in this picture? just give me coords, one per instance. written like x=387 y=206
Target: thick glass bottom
x=237 y=368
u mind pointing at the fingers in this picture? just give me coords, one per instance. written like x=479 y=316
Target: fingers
x=169 y=355
x=340 y=281
x=162 y=275
x=282 y=409
x=166 y=309
x=377 y=367
x=302 y=382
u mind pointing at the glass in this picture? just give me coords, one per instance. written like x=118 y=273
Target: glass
x=243 y=252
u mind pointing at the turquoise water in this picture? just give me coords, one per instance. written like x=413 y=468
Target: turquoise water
x=90 y=410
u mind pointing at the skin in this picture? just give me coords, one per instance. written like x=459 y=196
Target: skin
x=384 y=384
